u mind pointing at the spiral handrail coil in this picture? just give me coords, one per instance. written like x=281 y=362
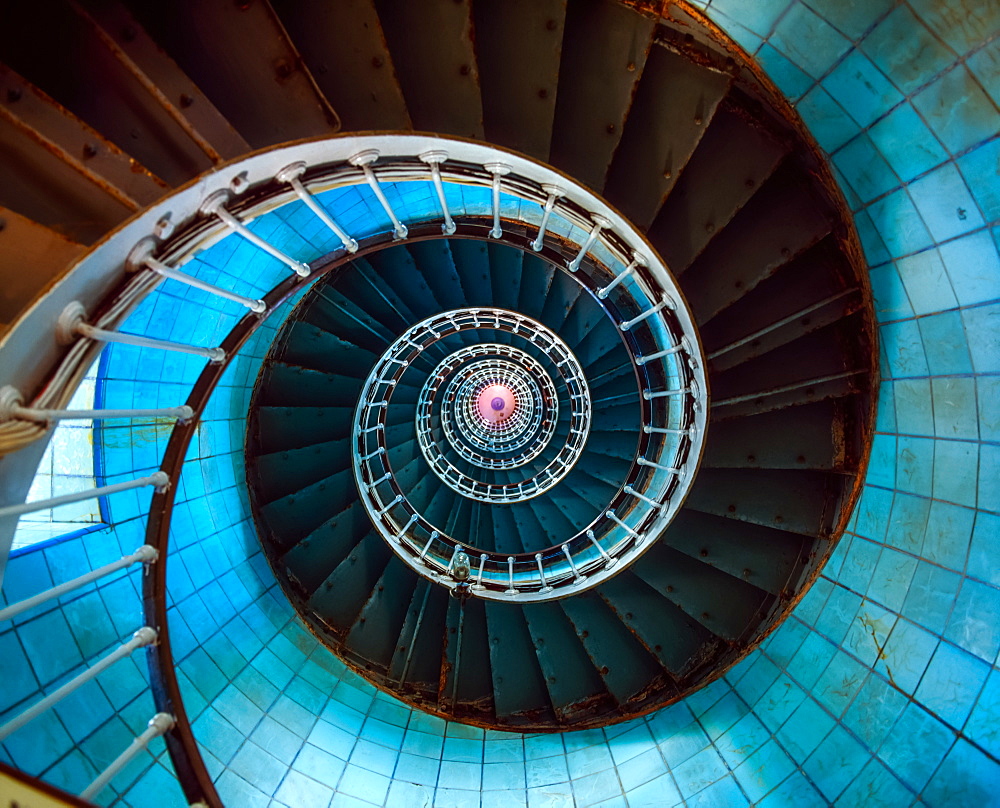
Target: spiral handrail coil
x=535 y=334
x=582 y=561
x=620 y=267
x=533 y=421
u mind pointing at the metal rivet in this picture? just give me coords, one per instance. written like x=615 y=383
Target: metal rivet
x=14 y=94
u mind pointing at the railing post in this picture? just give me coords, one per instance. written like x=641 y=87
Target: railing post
x=159 y=724
x=364 y=160
x=72 y=324
x=11 y=406
x=291 y=175
x=159 y=479
x=434 y=159
x=215 y=205
x=498 y=170
x=599 y=224
x=554 y=192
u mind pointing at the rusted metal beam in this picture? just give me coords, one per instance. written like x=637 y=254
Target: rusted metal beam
x=163 y=79
x=32 y=258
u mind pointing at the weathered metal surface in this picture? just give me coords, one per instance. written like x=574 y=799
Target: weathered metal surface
x=518 y=685
x=672 y=637
x=432 y=49
x=90 y=149
x=732 y=161
x=803 y=437
x=43 y=182
x=236 y=46
x=762 y=556
x=519 y=91
x=26 y=243
x=782 y=223
x=277 y=428
x=103 y=88
x=674 y=107
x=159 y=74
x=570 y=678
x=373 y=635
x=799 y=501
x=604 y=52
x=345 y=49
x=624 y=665
x=341 y=597
x=726 y=606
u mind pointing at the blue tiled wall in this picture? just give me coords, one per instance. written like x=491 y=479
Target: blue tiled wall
x=881 y=690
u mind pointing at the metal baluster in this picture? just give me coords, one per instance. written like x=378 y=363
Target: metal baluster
x=144 y=636
x=642 y=461
x=637 y=261
x=599 y=224
x=159 y=724
x=144 y=554
x=215 y=205
x=482 y=565
x=649 y=395
x=434 y=159
x=541 y=574
x=510 y=576
x=683 y=345
x=290 y=174
x=614 y=518
x=627 y=325
x=660 y=506
x=11 y=407
x=430 y=541
x=554 y=192
x=608 y=560
x=577 y=577
x=142 y=257
x=364 y=160
x=72 y=324
x=498 y=170
x=159 y=479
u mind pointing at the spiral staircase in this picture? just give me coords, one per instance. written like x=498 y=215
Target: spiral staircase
x=623 y=238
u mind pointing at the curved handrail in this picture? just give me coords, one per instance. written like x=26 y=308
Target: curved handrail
x=339 y=162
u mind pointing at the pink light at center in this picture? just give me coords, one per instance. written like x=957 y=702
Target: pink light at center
x=495 y=403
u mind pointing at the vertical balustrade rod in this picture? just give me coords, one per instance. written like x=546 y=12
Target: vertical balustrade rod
x=144 y=636
x=649 y=395
x=642 y=461
x=482 y=565
x=554 y=192
x=628 y=489
x=72 y=324
x=364 y=160
x=399 y=536
x=141 y=257
x=614 y=518
x=683 y=345
x=599 y=224
x=427 y=547
x=608 y=560
x=144 y=554
x=660 y=430
x=434 y=159
x=541 y=574
x=215 y=205
x=159 y=724
x=158 y=479
x=627 y=325
x=291 y=174
x=498 y=170
x=510 y=576
x=577 y=577
x=637 y=261
x=11 y=407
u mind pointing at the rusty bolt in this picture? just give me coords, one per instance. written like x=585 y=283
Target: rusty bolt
x=779 y=518
x=670 y=589
x=239 y=183
x=14 y=95
x=657 y=648
x=186 y=100
x=610 y=128
x=3 y=224
x=731 y=509
x=361 y=620
x=630 y=67
x=709 y=228
x=585 y=633
x=800 y=459
x=605 y=670
x=667 y=173
x=129 y=33
x=785 y=252
x=750 y=183
x=381 y=589
x=377 y=61
x=242 y=5
x=628 y=615
x=464 y=70
x=704 y=553
x=751 y=459
x=282 y=68
x=89 y=150
x=543 y=93
x=164 y=228
x=550 y=25
x=738 y=284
